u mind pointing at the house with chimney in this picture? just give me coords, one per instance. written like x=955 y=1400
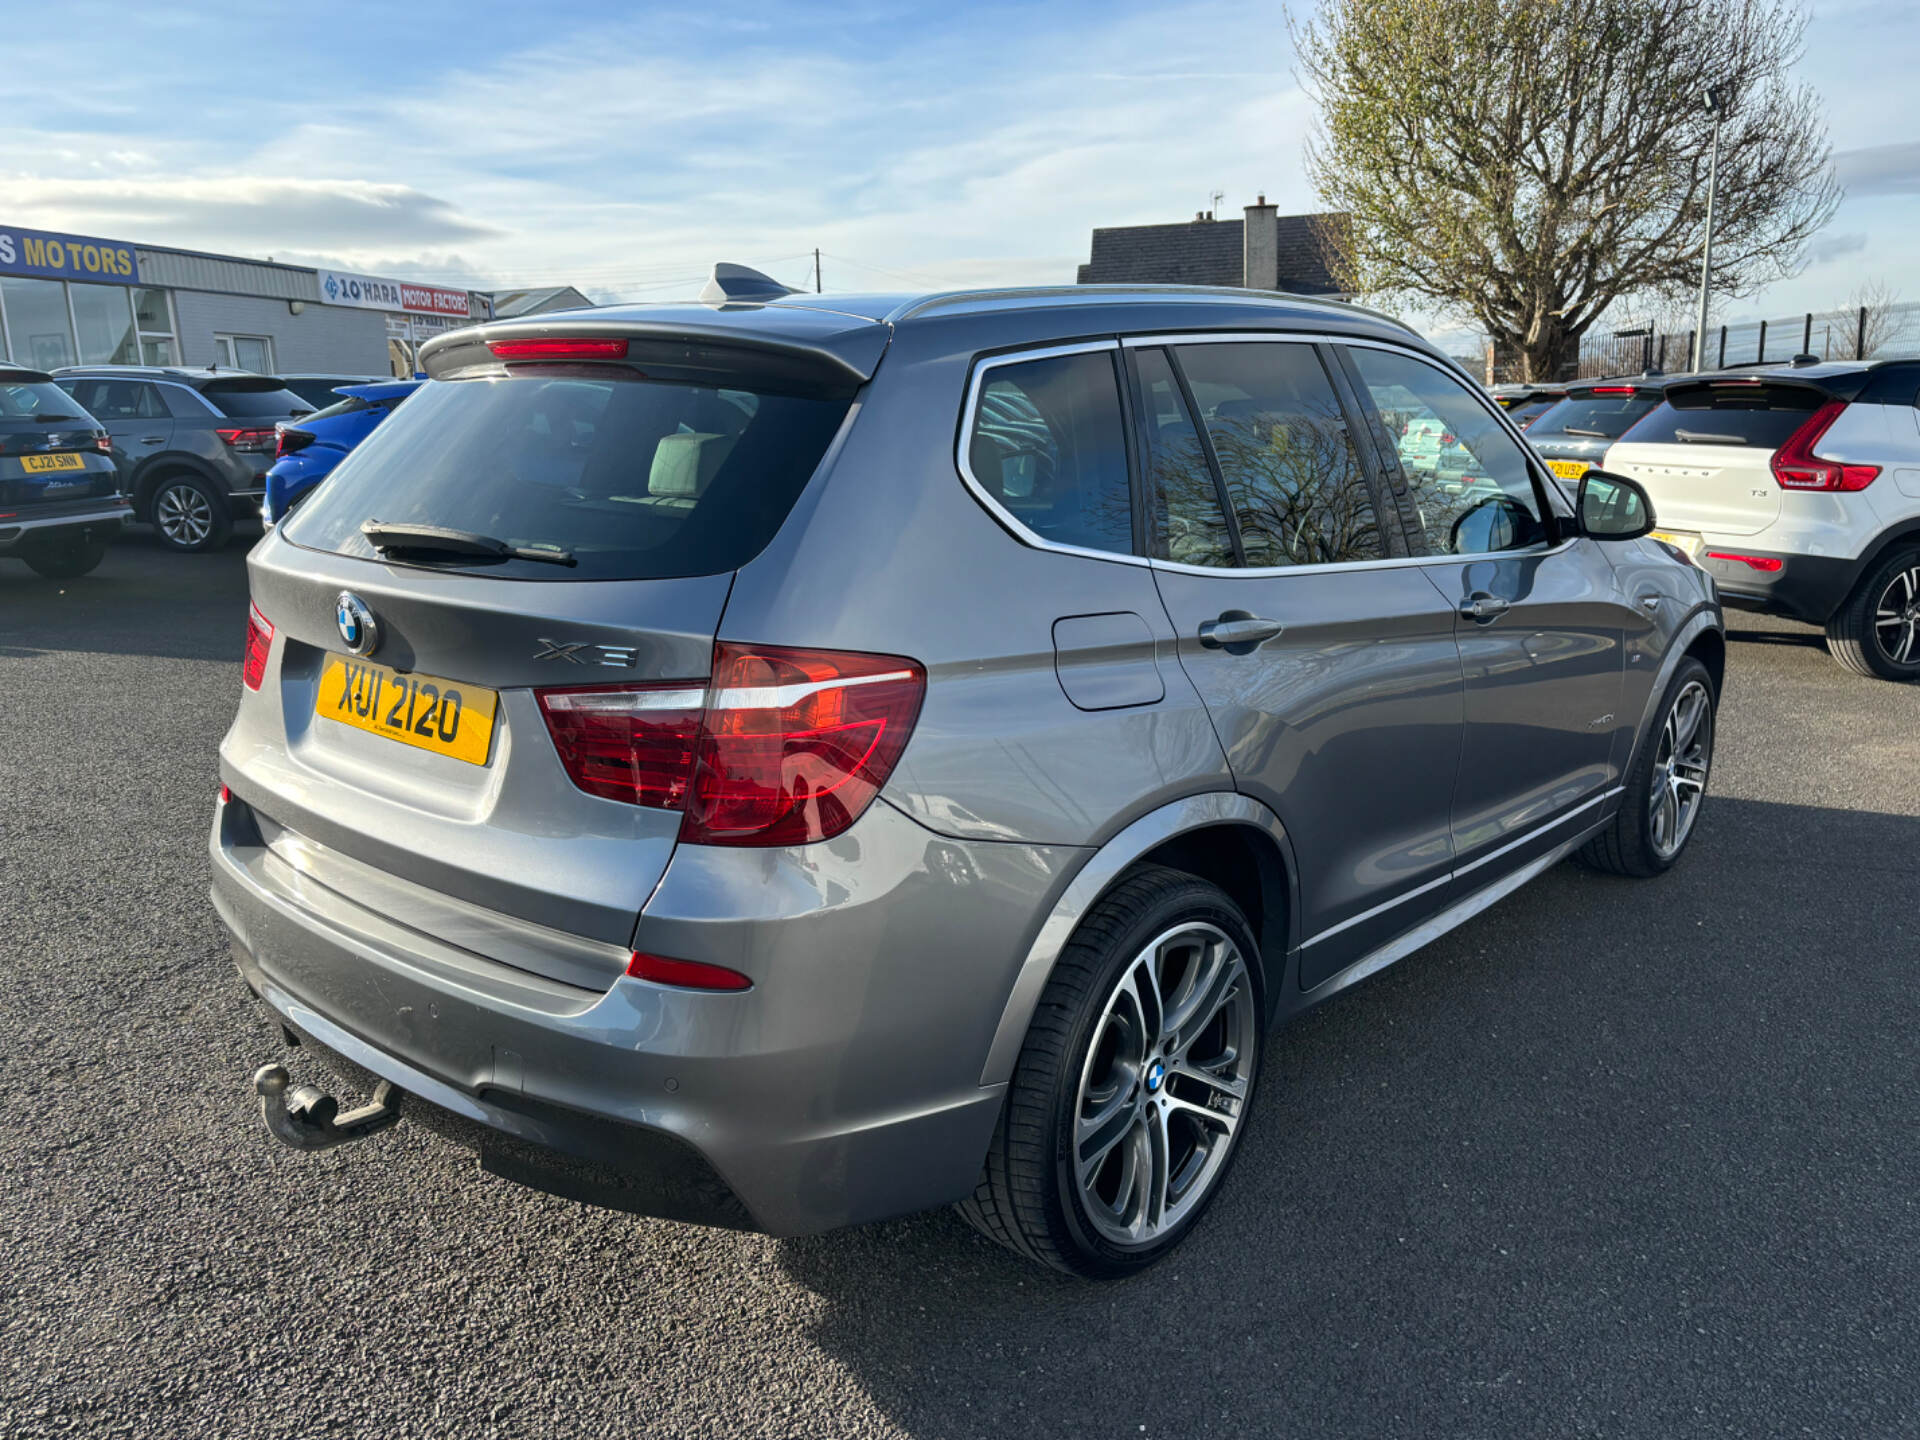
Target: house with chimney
x=1263 y=251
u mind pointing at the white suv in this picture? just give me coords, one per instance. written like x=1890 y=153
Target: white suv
x=1798 y=489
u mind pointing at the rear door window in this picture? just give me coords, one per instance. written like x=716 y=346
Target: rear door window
x=1189 y=521
x=633 y=478
x=1728 y=413
x=1596 y=415
x=1048 y=449
x=1287 y=463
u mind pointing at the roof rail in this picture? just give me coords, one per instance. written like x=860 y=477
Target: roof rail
x=922 y=304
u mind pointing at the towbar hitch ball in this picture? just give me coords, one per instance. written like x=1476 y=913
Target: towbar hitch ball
x=307 y=1118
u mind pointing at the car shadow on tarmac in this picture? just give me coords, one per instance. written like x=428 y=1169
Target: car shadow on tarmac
x=1588 y=1164
x=143 y=600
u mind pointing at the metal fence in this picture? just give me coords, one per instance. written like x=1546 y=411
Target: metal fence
x=1865 y=332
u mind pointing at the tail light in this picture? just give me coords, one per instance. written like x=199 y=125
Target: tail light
x=1796 y=467
x=1446 y=437
x=1611 y=390
x=253 y=440
x=288 y=441
x=782 y=747
x=103 y=443
x=259 y=643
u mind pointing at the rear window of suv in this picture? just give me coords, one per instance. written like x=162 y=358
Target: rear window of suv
x=1596 y=415
x=243 y=401
x=1727 y=413
x=636 y=479
x=33 y=399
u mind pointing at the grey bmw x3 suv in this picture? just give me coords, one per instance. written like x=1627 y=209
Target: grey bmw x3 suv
x=787 y=761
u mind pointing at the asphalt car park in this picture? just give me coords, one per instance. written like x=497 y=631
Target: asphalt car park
x=1612 y=1158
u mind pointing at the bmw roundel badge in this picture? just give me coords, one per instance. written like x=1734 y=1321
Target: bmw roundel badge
x=358 y=628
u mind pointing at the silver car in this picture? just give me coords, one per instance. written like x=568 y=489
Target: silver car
x=786 y=761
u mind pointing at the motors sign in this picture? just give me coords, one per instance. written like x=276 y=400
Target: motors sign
x=369 y=292
x=67 y=257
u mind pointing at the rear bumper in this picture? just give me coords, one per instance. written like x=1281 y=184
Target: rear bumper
x=105 y=517
x=1804 y=587
x=842 y=1088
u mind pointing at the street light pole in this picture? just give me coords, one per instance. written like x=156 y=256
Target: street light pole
x=1717 y=107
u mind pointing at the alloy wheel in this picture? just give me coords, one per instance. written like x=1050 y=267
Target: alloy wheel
x=183 y=515
x=1680 y=769
x=1896 y=618
x=1164 y=1084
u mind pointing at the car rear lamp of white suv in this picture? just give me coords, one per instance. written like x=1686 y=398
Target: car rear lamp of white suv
x=782 y=747
x=1796 y=467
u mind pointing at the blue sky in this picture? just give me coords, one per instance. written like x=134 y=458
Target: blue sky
x=623 y=148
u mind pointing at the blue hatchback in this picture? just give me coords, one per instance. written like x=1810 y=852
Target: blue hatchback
x=307 y=452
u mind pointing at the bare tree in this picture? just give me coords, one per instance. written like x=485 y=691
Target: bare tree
x=1874 y=320
x=1526 y=163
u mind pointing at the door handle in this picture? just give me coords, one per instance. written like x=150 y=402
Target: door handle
x=151 y=439
x=1482 y=607
x=1237 y=632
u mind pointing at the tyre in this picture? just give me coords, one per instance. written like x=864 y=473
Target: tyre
x=1877 y=631
x=1668 y=783
x=1131 y=1093
x=65 y=556
x=189 y=514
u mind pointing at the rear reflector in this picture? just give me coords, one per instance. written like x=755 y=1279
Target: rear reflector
x=1767 y=564
x=1796 y=467
x=259 y=644
x=558 y=349
x=689 y=974
x=782 y=747
x=225 y=795
x=252 y=440
x=628 y=743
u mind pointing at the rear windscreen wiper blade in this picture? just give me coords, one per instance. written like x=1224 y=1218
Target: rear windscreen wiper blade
x=444 y=540
x=55 y=419
x=1707 y=437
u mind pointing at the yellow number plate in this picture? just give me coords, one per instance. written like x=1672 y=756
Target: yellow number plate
x=424 y=711
x=35 y=464
x=1688 y=543
x=1569 y=469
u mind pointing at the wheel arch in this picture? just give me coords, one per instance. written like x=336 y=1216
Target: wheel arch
x=156 y=468
x=1687 y=641
x=1224 y=837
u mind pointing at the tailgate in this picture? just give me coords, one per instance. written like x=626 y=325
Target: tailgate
x=1725 y=490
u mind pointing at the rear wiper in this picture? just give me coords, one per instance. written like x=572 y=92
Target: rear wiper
x=55 y=419
x=443 y=540
x=1707 y=437
x=1581 y=430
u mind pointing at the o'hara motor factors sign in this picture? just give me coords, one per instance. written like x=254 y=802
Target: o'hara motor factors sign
x=370 y=292
x=67 y=257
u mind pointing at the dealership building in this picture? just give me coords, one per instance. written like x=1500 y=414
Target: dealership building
x=82 y=300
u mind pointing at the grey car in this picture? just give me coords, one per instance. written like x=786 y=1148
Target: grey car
x=786 y=761
x=192 y=446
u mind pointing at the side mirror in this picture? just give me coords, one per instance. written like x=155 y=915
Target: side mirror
x=1612 y=507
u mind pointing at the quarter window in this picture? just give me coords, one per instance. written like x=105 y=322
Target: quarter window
x=1047 y=447
x=1467 y=477
x=1286 y=459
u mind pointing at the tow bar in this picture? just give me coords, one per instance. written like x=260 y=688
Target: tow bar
x=310 y=1119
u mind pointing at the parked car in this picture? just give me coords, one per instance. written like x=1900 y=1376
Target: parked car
x=1574 y=435
x=192 y=446
x=60 y=500
x=791 y=762
x=306 y=451
x=320 y=391
x=1798 y=489
x=1525 y=403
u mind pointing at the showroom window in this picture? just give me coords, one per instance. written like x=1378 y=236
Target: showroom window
x=245 y=352
x=50 y=323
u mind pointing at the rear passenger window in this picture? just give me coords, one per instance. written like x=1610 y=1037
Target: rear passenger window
x=1285 y=457
x=1047 y=447
x=1184 y=499
x=1467 y=477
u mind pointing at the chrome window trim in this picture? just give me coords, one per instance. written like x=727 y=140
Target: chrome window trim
x=1027 y=537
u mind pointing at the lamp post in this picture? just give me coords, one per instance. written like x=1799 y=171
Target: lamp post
x=1716 y=107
